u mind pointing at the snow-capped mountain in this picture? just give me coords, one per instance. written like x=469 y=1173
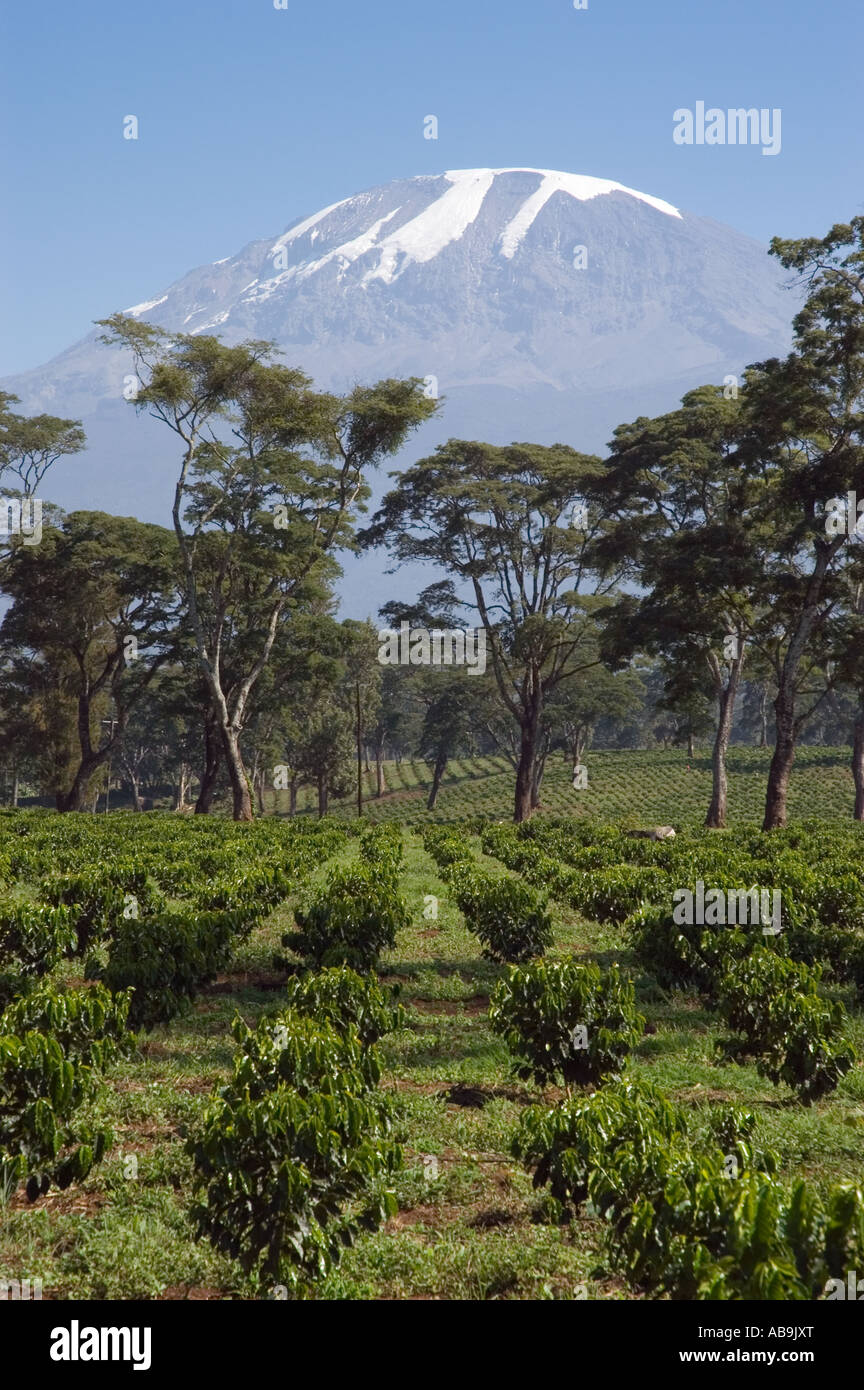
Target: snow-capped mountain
x=546 y=305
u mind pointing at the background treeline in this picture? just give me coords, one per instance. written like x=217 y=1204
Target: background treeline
x=702 y=583
x=408 y=714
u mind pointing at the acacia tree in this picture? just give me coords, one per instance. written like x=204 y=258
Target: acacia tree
x=96 y=600
x=442 y=700
x=31 y=444
x=507 y=523
x=685 y=507
x=270 y=475
x=806 y=442
x=846 y=666
x=361 y=686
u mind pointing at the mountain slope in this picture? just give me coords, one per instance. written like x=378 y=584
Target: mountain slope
x=546 y=305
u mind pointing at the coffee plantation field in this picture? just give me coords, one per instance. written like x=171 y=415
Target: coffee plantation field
x=165 y=1064
x=656 y=786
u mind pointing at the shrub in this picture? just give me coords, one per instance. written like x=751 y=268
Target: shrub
x=339 y=996
x=682 y=1216
x=510 y=917
x=382 y=847
x=796 y=1036
x=446 y=846
x=563 y=1019
x=89 y=1024
x=350 y=921
x=166 y=959
x=53 y=1044
x=40 y=1090
x=252 y=892
x=291 y=1157
x=665 y=949
x=100 y=898
x=612 y=894
x=33 y=941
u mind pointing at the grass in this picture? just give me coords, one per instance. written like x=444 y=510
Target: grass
x=469 y=1224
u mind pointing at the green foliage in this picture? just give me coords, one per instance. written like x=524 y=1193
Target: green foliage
x=446 y=846
x=339 y=996
x=40 y=1090
x=510 y=917
x=351 y=920
x=33 y=940
x=796 y=1036
x=382 y=848
x=53 y=1044
x=254 y=892
x=559 y=1018
x=291 y=1158
x=89 y=1024
x=165 y=960
x=682 y=1216
x=100 y=898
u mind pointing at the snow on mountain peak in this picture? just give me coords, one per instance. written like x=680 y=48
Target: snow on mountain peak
x=432 y=212
x=441 y=222
x=580 y=186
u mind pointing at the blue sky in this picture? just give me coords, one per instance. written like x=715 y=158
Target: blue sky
x=251 y=117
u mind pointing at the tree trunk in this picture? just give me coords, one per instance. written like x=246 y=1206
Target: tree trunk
x=240 y=793
x=537 y=778
x=784 y=705
x=437 y=775
x=134 y=782
x=292 y=797
x=523 y=806
x=212 y=760
x=182 y=788
x=15 y=788
x=380 y=783
x=781 y=762
x=323 y=795
x=76 y=799
x=360 y=755
x=858 y=763
x=716 y=817
x=91 y=760
x=690 y=749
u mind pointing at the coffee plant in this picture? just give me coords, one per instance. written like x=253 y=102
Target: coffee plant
x=292 y=1159
x=165 y=960
x=351 y=920
x=565 y=1020
x=340 y=996
x=510 y=917
x=780 y=1019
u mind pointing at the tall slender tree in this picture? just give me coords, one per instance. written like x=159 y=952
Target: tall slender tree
x=271 y=473
x=508 y=525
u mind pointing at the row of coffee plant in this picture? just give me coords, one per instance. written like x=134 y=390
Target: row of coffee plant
x=152 y=926
x=511 y=919
x=690 y=1208
x=765 y=983
x=294 y=1156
